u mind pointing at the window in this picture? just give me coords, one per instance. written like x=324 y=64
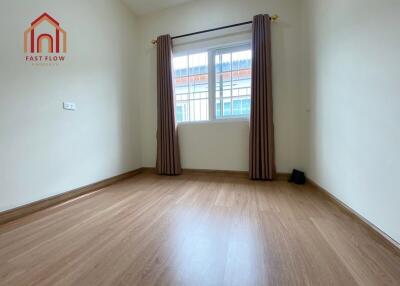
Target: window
x=228 y=73
x=232 y=83
x=191 y=87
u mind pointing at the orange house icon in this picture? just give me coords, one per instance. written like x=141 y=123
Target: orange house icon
x=36 y=43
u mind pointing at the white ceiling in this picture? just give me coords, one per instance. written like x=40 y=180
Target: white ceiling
x=141 y=7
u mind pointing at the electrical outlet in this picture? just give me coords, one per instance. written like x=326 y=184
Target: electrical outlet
x=69 y=105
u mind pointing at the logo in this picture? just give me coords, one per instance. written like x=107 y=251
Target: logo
x=45 y=42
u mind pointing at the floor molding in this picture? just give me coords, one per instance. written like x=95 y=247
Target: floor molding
x=25 y=210
x=279 y=176
x=376 y=232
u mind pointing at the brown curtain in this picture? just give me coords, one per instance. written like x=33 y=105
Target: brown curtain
x=168 y=159
x=262 y=150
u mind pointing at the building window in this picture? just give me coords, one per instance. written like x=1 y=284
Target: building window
x=227 y=71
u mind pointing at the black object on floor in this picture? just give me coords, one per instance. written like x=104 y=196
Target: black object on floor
x=297 y=177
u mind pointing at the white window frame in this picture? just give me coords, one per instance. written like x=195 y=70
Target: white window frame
x=211 y=80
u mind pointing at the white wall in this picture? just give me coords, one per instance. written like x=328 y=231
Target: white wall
x=215 y=146
x=354 y=89
x=229 y=150
x=46 y=150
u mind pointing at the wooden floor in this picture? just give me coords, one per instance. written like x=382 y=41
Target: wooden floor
x=195 y=229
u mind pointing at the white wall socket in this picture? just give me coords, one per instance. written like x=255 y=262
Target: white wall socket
x=69 y=105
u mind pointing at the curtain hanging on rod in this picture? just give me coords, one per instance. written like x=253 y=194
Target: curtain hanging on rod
x=262 y=147
x=168 y=158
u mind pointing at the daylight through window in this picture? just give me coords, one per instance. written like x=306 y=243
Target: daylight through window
x=226 y=71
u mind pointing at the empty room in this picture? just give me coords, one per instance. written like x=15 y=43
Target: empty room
x=199 y=142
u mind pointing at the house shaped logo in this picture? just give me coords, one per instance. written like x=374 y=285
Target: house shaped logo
x=45 y=41
x=53 y=42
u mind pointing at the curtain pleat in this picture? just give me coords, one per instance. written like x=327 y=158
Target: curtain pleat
x=168 y=158
x=262 y=148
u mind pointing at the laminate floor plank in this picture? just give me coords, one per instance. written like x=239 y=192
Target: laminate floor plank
x=195 y=229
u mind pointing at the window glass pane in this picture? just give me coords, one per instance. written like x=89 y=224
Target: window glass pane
x=246 y=106
x=191 y=87
x=218 y=110
x=218 y=65
x=179 y=113
x=226 y=62
x=232 y=83
x=227 y=108
x=237 y=107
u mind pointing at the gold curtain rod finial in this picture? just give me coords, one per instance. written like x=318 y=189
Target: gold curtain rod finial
x=274 y=18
